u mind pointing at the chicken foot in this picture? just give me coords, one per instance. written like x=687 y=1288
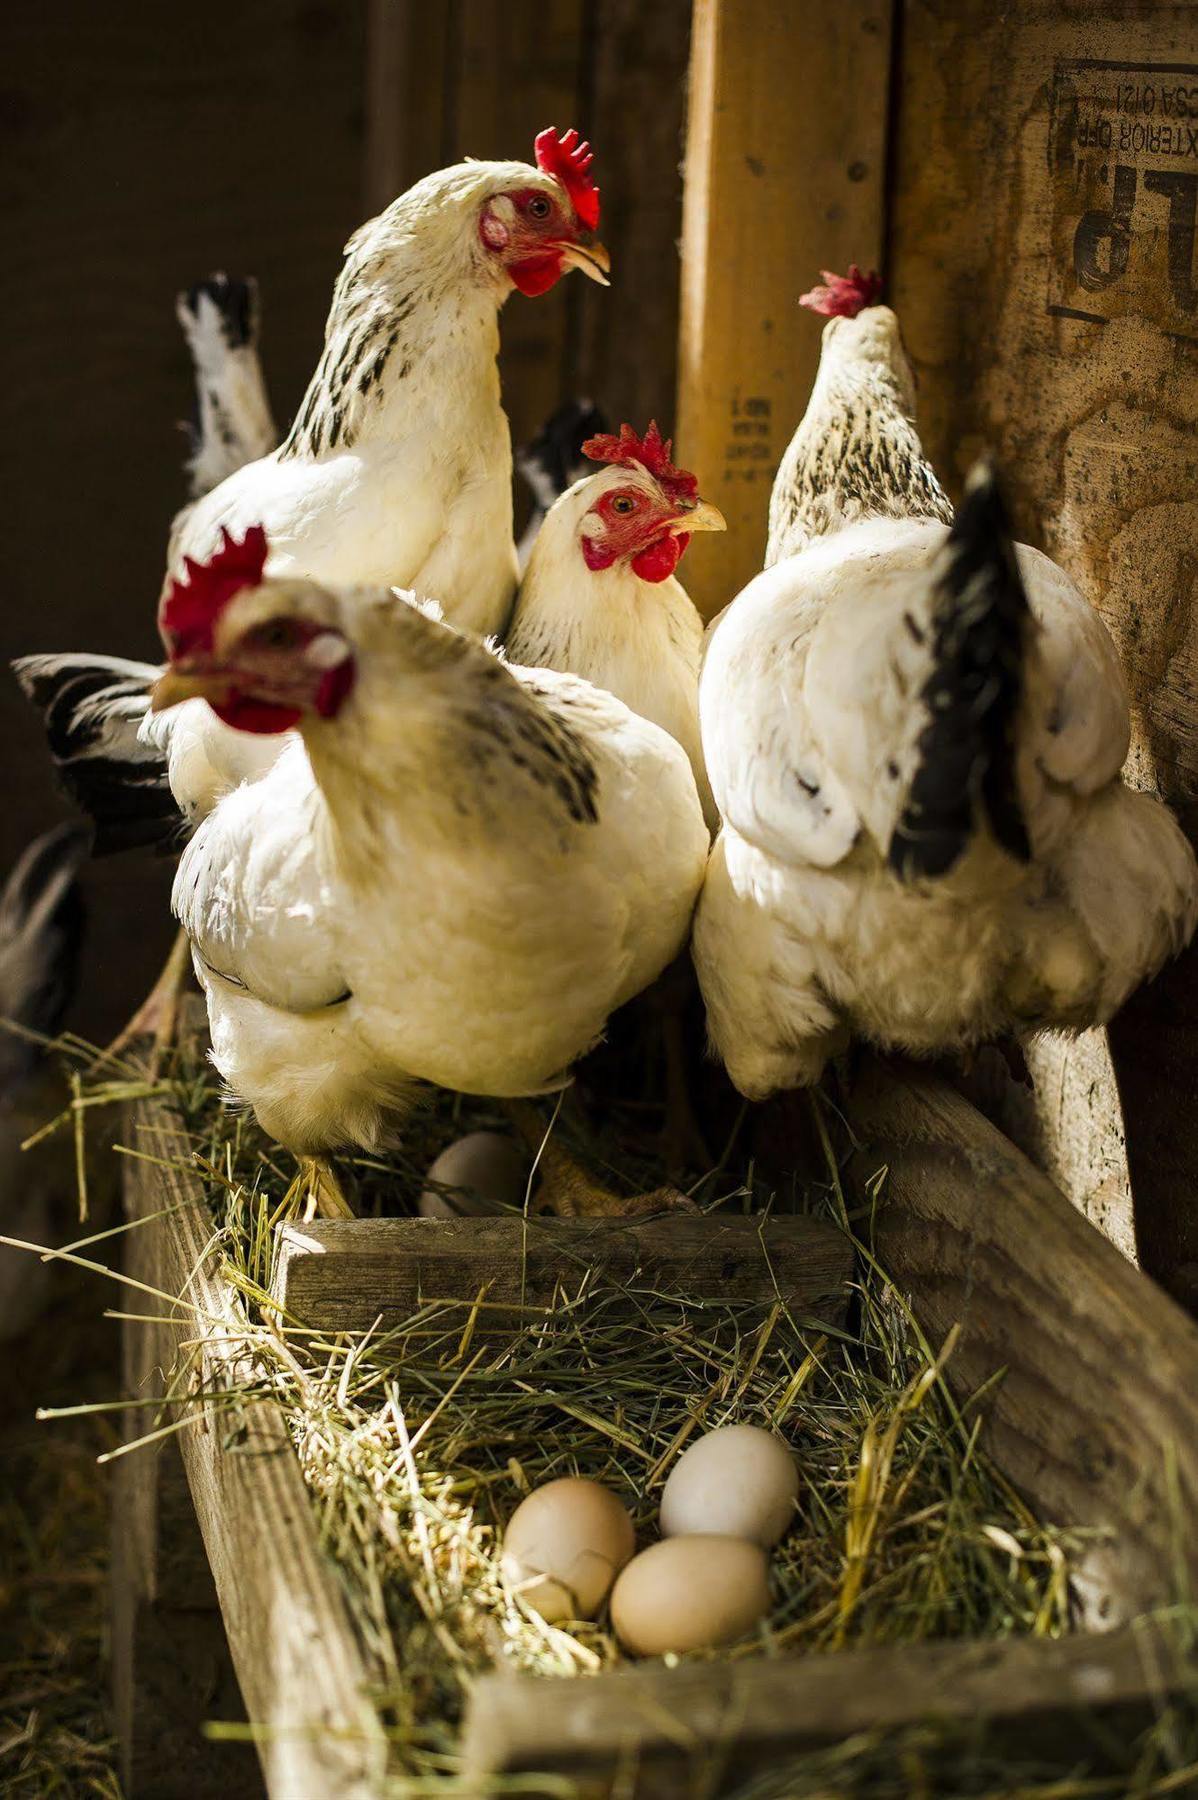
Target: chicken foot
x=324 y=1193
x=568 y=1190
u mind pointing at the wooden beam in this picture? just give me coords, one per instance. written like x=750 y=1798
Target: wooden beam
x=342 y=1275
x=1096 y=1416
x=298 y=1663
x=661 y=1734
x=785 y=175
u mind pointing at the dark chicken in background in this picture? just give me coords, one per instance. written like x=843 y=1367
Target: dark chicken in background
x=41 y=936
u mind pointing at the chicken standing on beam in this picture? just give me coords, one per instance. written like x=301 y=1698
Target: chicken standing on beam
x=454 y=872
x=397 y=470
x=915 y=731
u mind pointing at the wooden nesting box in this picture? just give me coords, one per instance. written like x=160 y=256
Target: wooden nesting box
x=974 y=1234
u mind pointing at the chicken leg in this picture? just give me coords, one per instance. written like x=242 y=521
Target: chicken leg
x=569 y=1191
x=324 y=1193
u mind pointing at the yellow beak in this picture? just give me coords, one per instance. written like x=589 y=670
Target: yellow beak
x=591 y=259
x=704 y=517
x=173 y=686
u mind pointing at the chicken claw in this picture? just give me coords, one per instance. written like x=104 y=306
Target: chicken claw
x=570 y=1192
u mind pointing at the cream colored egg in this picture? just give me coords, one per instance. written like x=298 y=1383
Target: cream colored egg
x=489 y=1170
x=738 y=1481
x=564 y=1546
x=690 y=1593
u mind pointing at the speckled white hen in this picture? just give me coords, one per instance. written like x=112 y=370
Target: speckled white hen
x=453 y=873
x=914 y=732
x=600 y=598
x=397 y=468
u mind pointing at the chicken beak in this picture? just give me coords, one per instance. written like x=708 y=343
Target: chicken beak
x=174 y=686
x=703 y=517
x=591 y=259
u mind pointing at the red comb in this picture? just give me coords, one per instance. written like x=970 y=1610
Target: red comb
x=844 y=296
x=652 y=452
x=192 y=606
x=567 y=159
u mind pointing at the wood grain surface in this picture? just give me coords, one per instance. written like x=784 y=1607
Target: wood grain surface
x=1063 y=336
x=1095 y=1418
x=298 y=1663
x=345 y=1274
x=785 y=176
x=669 y=1734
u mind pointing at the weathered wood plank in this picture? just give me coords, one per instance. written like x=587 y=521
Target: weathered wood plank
x=1096 y=1417
x=663 y=1734
x=1041 y=268
x=299 y=1666
x=344 y=1274
x=785 y=175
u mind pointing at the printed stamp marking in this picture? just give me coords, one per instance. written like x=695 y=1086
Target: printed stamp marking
x=1123 y=160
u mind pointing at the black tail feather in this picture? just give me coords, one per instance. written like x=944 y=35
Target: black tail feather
x=966 y=768
x=553 y=460
x=92 y=708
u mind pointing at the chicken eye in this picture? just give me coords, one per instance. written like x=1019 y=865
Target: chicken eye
x=623 y=503
x=276 y=634
x=539 y=207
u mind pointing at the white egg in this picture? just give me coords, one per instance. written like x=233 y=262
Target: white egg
x=564 y=1546
x=738 y=1481
x=490 y=1170
x=690 y=1593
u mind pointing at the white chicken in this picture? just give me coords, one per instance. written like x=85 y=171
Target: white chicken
x=398 y=467
x=397 y=470
x=600 y=598
x=453 y=874
x=914 y=734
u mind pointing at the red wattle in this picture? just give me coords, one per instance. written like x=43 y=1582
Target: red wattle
x=535 y=275
x=262 y=717
x=657 y=561
x=336 y=686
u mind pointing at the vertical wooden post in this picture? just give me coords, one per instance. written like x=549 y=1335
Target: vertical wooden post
x=785 y=175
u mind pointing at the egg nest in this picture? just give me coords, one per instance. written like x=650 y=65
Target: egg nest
x=419 y=1442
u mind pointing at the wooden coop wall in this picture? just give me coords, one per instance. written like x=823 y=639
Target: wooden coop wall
x=1041 y=259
